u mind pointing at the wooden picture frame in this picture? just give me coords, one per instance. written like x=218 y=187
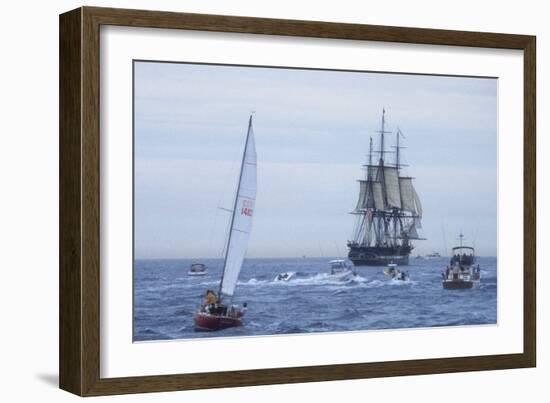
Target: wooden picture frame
x=79 y=280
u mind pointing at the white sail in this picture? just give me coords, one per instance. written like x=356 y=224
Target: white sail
x=412 y=233
x=378 y=196
x=391 y=177
x=363 y=190
x=241 y=220
x=372 y=172
x=407 y=194
x=418 y=205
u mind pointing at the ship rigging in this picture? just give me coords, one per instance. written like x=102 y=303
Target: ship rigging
x=388 y=210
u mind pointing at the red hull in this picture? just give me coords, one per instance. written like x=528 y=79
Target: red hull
x=207 y=322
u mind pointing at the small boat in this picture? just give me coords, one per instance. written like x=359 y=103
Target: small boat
x=391 y=270
x=341 y=269
x=285 y=276
x=219 y=318
x=197 y=269
x=419 y=257
x=462 y=271
x=395 y=274
x=401 y=276
x=433 y=255
x=217 y=314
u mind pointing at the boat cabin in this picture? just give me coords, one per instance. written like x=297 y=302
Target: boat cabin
x=197 y=268
x=338 y=266
x=463 y=255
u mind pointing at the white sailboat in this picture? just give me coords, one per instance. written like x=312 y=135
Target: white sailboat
x=215 y=314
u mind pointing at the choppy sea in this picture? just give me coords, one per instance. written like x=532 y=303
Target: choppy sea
x=165 y=298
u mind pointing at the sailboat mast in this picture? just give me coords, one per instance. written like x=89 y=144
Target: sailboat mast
x=234 y=207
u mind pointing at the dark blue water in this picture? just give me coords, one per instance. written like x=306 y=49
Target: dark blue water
x=165 y=298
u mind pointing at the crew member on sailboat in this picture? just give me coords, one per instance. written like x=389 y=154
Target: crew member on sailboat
x=225 y=314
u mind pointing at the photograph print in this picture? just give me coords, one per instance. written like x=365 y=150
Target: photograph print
x=273 y=200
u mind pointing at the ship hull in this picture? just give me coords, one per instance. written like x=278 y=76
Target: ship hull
x=378 y=256
x=457 y=284
x=208 y=322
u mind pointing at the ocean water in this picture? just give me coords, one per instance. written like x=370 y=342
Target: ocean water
x=166 y=298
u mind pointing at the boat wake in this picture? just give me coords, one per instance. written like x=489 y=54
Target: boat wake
x=299 y=279
x=253 y=281
x=395 y=281
x=387 y=283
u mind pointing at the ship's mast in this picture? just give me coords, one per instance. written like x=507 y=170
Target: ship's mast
x=382 y=223
x=396 y=218
x=381 y=162
x=370 y=157
x=368 y=217
x=397 y=148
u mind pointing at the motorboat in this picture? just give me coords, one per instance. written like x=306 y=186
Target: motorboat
x=462 y=272
x=341 y=269
x=286 y=276
x=197 y=269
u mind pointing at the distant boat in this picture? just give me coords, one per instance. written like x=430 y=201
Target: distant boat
x=433 y=255
x=197 y=269
x=395 y=274
x=388 y=210
x=390 y=270
x=341 y=269
x=401 y=275
x=285 y=276
x=462 y=271
x=219 y=314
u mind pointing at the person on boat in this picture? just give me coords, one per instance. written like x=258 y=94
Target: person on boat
x=211 y=298
x=211 y=302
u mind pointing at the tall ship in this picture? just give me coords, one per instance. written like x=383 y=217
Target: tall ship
x=388 y=210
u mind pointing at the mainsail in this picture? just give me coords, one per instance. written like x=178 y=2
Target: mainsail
x=241 y=219
x=388 y=209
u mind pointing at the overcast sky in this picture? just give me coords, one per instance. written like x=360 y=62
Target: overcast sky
x=312 y=131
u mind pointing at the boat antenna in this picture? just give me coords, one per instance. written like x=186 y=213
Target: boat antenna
x=461 y=238
x=337 y=250
x=321 y=249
